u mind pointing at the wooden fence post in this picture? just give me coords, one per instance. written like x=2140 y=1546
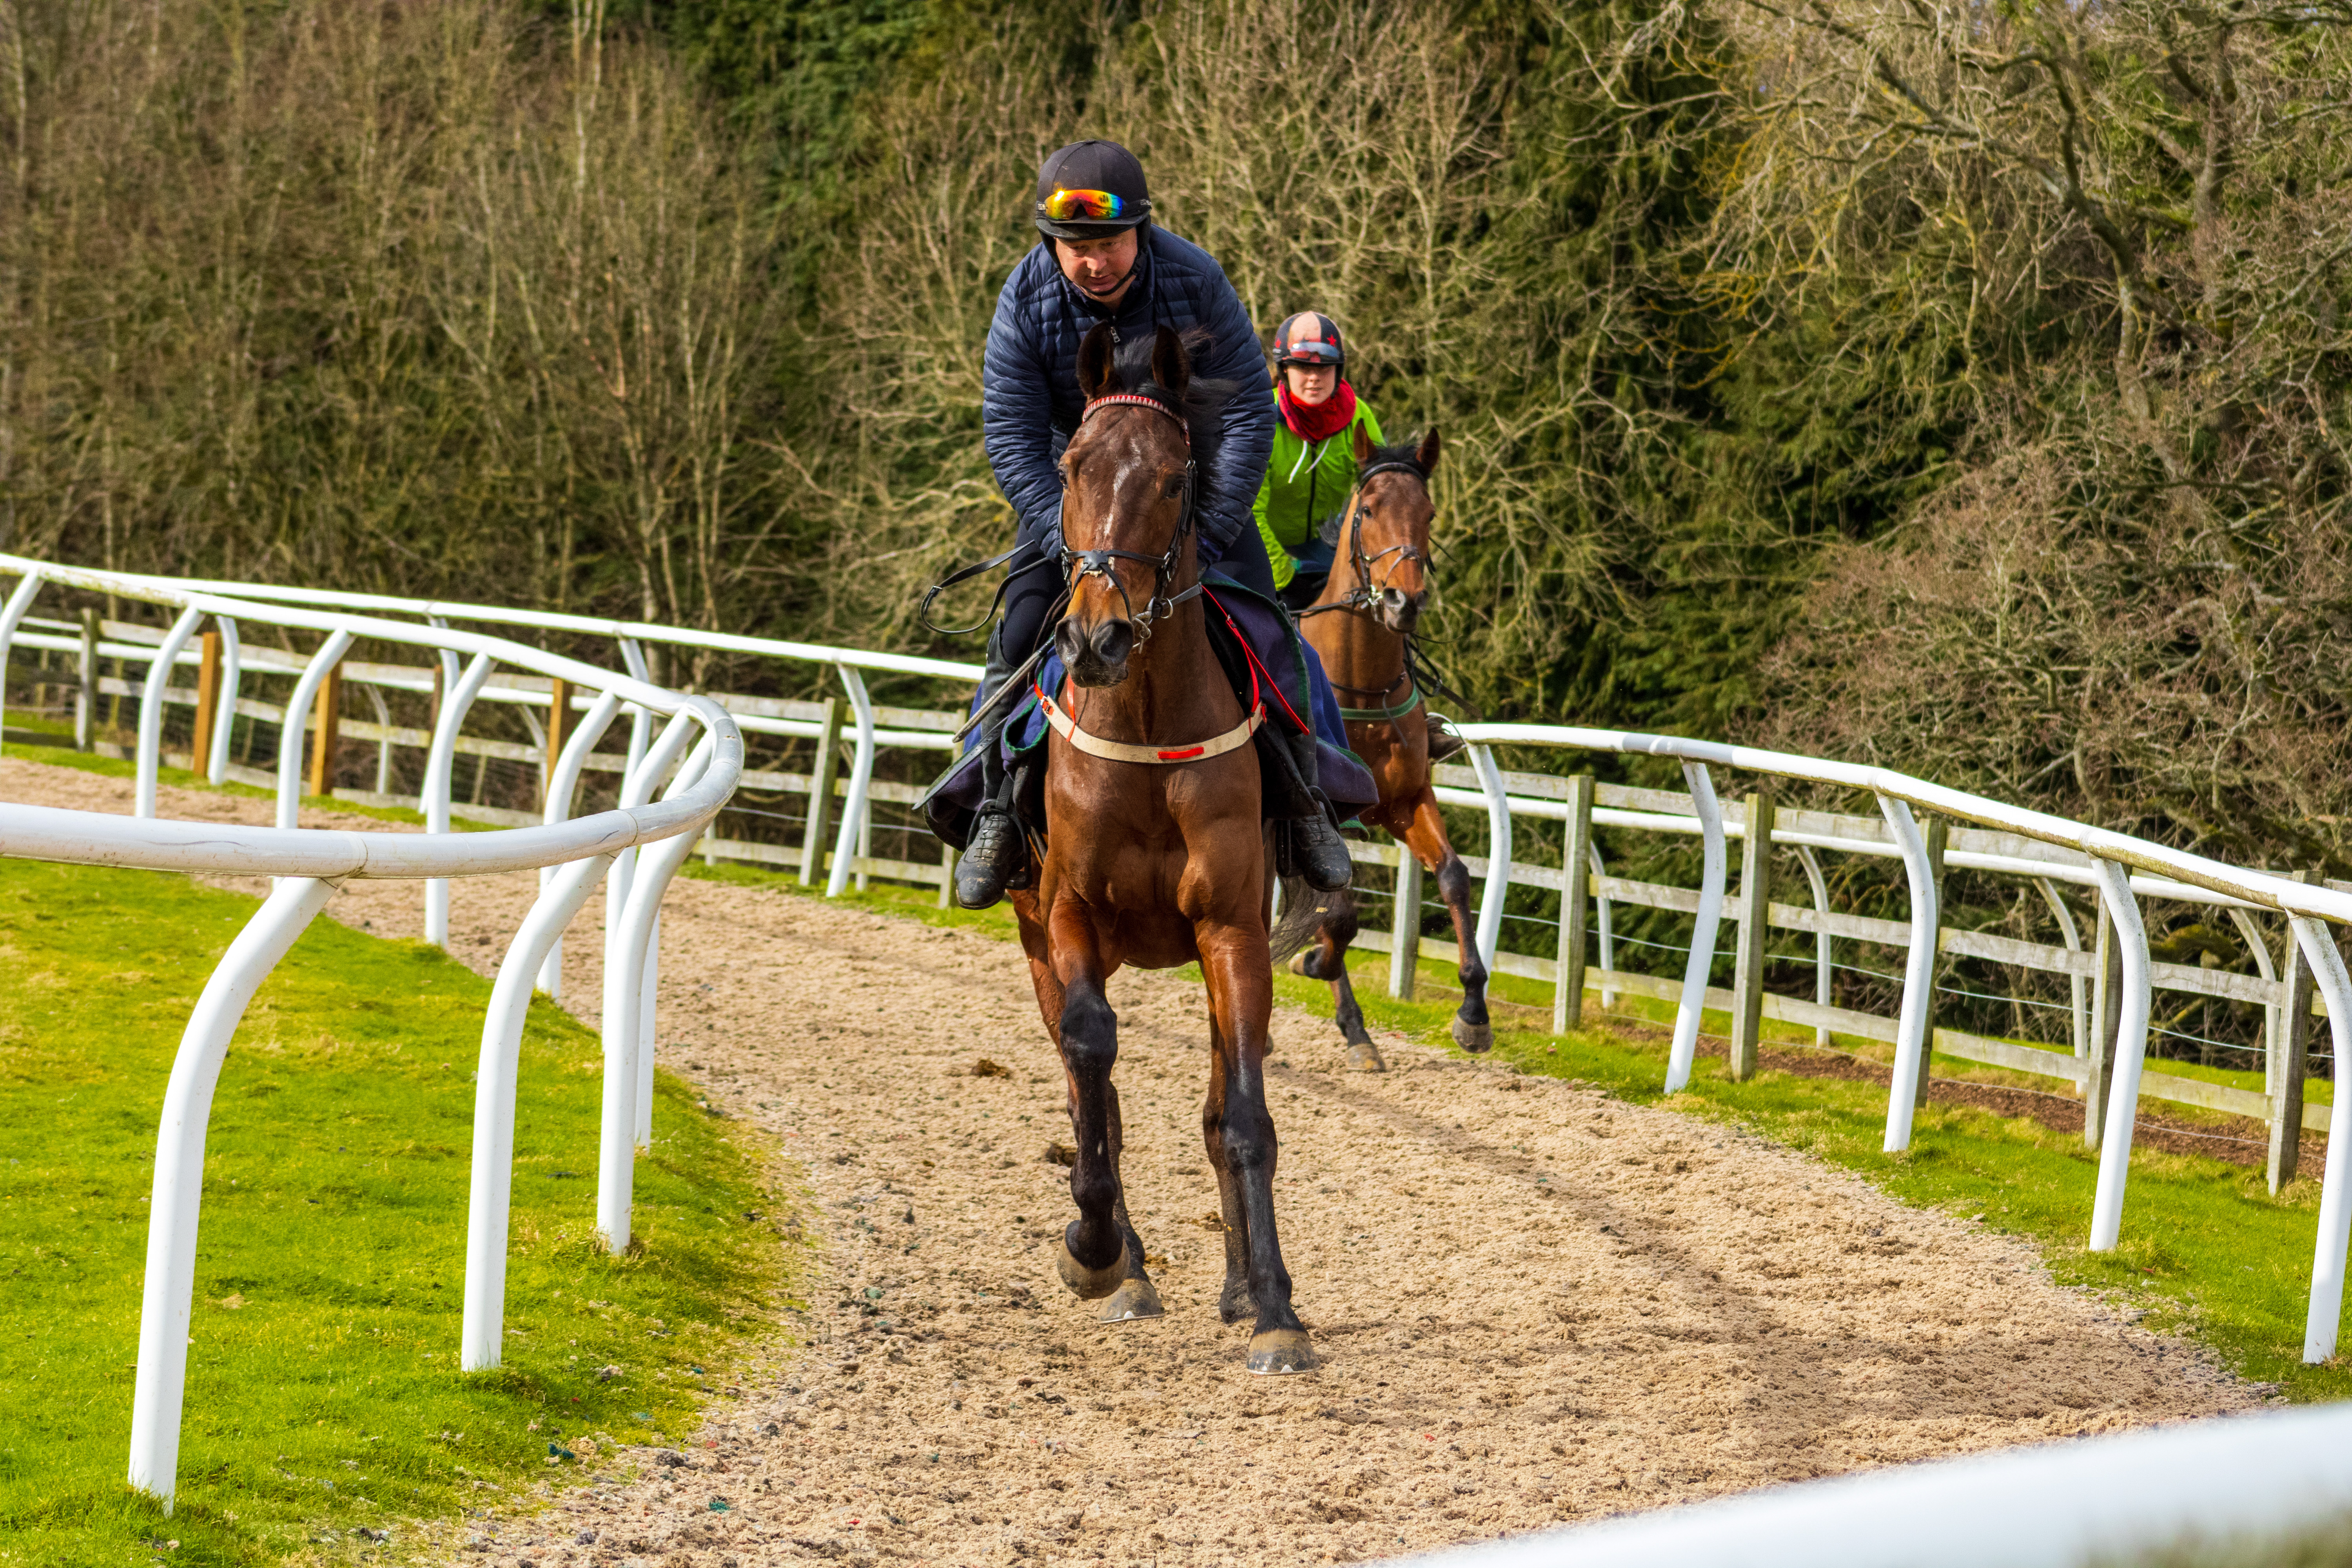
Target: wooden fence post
x=828 y=760
x=1755 y=909
x=1575 y=890
x=329 y=716
x=1405 y=940
x=559 y=730
x=208 y=673
x=1940 y=836
x=86 y=703
x=2295 y=1060
x=2107 y=1022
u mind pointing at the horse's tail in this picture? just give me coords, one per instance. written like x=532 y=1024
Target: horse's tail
x=1302 y=912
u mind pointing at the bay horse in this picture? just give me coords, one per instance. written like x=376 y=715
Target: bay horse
x=1360 y=626
x=1156 y=853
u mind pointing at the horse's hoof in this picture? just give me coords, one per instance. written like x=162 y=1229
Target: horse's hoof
x=1474 y=1037
x=1091 y=1284
x=1299 y=961
x=1365 y=1057
x=1278 y=1352
x=1134 y=1301
x=1235 y=1304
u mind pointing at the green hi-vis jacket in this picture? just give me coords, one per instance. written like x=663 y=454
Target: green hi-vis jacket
x=1305 y=483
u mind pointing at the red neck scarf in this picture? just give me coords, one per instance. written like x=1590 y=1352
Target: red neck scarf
x=1325 y=419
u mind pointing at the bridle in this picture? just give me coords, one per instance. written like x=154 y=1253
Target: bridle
x=1077 y=565
x=1360 y=599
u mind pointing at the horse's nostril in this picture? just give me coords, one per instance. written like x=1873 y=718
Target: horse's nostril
x=1069 y=641
x=1114 y=640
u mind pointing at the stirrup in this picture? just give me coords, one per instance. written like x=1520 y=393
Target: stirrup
x=1443 y=741
x=994 y=862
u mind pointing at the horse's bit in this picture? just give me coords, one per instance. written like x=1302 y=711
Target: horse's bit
x=1079 y=564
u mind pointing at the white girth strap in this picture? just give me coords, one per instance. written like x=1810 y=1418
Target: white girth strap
x=1120 y=751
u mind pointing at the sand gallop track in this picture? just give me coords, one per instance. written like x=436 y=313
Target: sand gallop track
x=1533 y=1303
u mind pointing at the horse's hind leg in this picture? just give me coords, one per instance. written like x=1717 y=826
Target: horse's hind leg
x=1327 y=959
x=1238 y=1127
x=1425 y=836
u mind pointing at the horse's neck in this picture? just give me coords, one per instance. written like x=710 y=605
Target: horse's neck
x=1175 y=688
x=1356 y=649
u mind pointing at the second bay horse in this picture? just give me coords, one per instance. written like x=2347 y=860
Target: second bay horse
x=1359 y=624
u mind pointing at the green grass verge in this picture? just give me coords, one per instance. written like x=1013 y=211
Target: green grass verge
x=322 y=1391
x=2205 y=1249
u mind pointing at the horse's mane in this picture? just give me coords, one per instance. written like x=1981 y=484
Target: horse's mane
x=1405 y=452
x=1203 y=400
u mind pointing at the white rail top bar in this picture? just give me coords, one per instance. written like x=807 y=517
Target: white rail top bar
x=2213 y=876
x=549 y=620
x=103 y=838
x=2238 y=1481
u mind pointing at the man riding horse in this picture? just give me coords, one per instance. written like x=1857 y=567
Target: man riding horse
x=1102 y=260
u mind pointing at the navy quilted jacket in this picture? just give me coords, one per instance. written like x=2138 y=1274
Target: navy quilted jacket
x=1030 y=401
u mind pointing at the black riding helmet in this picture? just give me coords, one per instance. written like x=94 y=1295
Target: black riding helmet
x=1308 y=338
x=1091 y=190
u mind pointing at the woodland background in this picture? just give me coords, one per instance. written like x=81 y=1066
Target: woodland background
x=1963 y=387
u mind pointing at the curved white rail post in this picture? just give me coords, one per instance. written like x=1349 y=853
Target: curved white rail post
x=861 y=777
x=384 y=745
x=2320 y=1321
x=151 y=709
x=440 y=762
x=624 y=970
x=1603 y=933
x=1496 y=892
x=12 y=615
x=2078 y=986
x=165 y=1297
x=649 y=987
x=2273 y=1015
x=1911 y=1044
x=232 y=664
x=494 y=1108
x=1703 y=931
x=561 y=784
x=1825 y=977
x=289 y=733
x=625 y=866
x=2131 y=1055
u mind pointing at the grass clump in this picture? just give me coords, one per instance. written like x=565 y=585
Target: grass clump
x=323 y=1394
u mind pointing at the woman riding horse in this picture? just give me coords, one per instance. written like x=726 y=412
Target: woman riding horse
x=1320 y=420
x=1103 y=262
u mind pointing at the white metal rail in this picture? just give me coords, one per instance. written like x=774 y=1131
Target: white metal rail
x=2240 y=1489
x=311 y=864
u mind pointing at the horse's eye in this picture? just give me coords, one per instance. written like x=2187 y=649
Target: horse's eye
x=1174 y=487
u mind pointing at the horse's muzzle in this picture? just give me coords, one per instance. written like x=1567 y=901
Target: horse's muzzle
x=1097 y=657
x=1398 y=610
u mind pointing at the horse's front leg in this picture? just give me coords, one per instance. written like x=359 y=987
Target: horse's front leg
x=1240 y=1136
x=1094 y=1246
x=1424 y=836
x=1327 y=959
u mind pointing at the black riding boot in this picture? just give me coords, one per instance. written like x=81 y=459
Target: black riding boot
x=997 y=858
x=1307 y=841
x=1443 y=741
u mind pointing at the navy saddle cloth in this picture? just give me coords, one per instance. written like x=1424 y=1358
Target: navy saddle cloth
x=1236 y=616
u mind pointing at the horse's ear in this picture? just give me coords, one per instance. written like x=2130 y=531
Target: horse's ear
x=1363 y=446
x=1427 y=457
x=1172 y=367
x=1097 y=377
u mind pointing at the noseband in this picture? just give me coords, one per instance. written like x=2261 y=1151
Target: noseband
x=1077 y=565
